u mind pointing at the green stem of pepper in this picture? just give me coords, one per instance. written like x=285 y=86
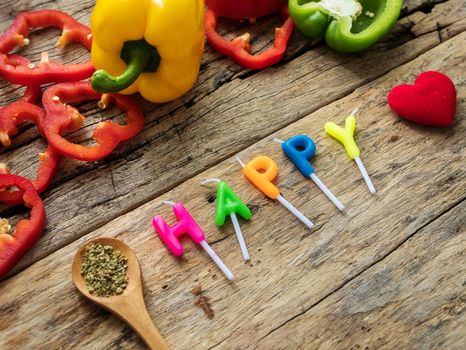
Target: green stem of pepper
x=140 y=57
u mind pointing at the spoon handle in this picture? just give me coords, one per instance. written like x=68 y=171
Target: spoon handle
x=134 y=312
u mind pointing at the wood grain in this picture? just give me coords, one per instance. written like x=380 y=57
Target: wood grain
x=221 y=116
x=400 y=302
x=421 y=180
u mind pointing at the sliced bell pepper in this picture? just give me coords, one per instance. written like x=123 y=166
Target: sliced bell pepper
x=347 y=25
x=46 y=71
x=61 y=118
x=32 y=92
x=239 y=49
x=15 y=114
x=11 y=116
x=27 y=231
x=154 y=47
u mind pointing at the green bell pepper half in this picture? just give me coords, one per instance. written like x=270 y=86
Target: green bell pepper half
x=347 y=25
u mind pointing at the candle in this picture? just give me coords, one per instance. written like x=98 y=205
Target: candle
x=185 y=225
x=261 y=171
x=300 y=149
x=228 y=203
x=346 y=137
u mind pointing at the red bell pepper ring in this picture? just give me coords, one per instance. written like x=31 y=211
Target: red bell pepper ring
x=46 y=71
x=239 y=49
x=15 y=114
x=61 y=118
x=27 y=231
x=32 y=92
x=11 y=116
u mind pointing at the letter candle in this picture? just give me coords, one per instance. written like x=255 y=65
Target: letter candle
x=261 y=171
x=228 y=203
x=346 y=137
x=185 y=225
x=300 y=149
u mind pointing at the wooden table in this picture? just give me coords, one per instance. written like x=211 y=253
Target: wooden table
x=388 y=273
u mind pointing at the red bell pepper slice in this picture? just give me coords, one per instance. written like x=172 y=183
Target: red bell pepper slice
x=239 y=48
x=32 y=92
x=46 y=71
x=27 y=231
x=15 y=114
x=62 y=118
x=11 y=116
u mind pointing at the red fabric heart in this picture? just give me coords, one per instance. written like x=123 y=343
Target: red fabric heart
x=430 y=101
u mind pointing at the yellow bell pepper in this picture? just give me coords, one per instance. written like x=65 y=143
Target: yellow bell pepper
x=151 y=46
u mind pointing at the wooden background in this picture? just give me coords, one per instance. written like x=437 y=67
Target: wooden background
x=388 y=273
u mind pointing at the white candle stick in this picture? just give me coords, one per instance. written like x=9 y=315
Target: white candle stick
x=365 y=175
x=240 y=237
x=217 y=260
x=327 y=192
x=295 y=211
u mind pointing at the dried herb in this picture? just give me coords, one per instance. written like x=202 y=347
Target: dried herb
x=104 y=270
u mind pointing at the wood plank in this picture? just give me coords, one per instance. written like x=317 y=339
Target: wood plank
x=291 y=268
x=188 y=139
x=412 y=299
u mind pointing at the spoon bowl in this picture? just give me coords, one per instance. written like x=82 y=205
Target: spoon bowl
x=129 y=306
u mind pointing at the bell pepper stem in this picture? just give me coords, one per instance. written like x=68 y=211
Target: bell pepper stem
x=105 y=83
x=139 y=57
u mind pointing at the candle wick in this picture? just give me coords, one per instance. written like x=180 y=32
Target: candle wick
x=208 y=181
x=239 y=161
x=170 y=203
x=277 y=140
x=354 y=111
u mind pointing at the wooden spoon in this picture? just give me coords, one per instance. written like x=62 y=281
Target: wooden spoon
x=128 y=306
